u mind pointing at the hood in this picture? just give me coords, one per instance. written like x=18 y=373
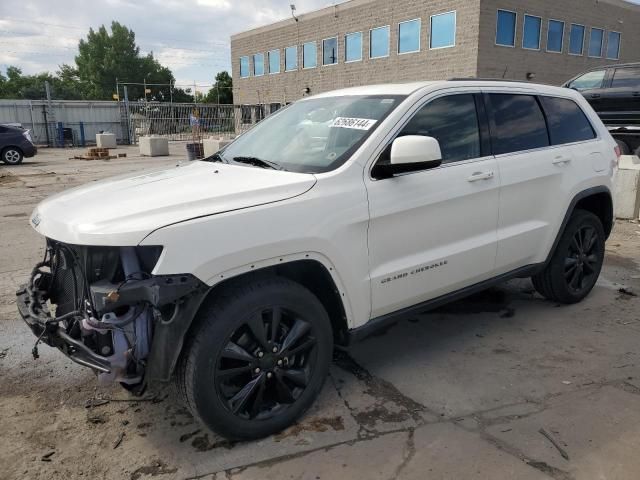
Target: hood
x=121 y=211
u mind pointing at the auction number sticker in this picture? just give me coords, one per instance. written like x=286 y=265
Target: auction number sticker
x=356 y=123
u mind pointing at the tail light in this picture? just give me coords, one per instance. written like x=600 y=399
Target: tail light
x=27 y=135
x=618 y=155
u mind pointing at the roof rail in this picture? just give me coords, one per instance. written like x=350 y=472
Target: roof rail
x=480 y=79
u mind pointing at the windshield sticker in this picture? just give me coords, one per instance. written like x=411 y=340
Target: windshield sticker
x=356 y=123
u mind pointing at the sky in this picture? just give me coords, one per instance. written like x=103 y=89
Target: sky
x=191 y=37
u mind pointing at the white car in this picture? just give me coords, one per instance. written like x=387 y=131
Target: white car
x=237 y=275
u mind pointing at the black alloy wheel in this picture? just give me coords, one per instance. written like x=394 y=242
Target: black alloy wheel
x=575 y=265
x=266 y=364
x=257 y=357
x=582 y=262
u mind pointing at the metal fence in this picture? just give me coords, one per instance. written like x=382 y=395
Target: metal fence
x=60 y=123
x=80 y=118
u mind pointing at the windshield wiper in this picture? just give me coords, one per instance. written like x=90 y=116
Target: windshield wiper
x=258 y=162
x=216 y=157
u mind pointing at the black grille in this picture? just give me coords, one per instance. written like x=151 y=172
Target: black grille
x=76 y=267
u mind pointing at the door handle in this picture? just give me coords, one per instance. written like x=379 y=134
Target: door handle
x=595 y=95
x=477 y=176
x=561 y=160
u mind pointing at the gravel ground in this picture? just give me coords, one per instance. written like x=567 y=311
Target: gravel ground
x=502 y=385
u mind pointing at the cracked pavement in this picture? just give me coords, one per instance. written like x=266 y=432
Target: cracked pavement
x=462 y=392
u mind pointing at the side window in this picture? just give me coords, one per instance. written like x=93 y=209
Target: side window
x=451 y=120
x=567 y=122
x=518 y=123
x=626 y=78
x=588 y=80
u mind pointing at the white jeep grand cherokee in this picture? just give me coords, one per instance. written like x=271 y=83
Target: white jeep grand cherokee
x=335 y=216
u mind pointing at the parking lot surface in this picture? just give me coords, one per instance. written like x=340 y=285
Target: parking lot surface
x=502 y=385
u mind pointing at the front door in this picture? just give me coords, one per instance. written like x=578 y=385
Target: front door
x=434 y=232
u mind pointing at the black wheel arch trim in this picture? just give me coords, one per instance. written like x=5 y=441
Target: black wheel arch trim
x=572 y=206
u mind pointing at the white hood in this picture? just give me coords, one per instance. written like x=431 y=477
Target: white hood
x=121 y=211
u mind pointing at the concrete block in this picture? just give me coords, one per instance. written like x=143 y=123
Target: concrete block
x=211 y=146
x=106 y=140
x=154 y=146
x=627 y=189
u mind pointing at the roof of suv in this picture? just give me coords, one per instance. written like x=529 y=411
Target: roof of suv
x=409 y=88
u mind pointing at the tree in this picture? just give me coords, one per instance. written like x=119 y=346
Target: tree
x=221 y=92
x=104 y=57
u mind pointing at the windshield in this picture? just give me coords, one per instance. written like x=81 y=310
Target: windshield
x=311 y=136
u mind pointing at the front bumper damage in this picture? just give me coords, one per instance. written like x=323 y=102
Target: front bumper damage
x=127 y=327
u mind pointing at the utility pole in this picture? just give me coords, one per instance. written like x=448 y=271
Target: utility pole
x=51 y=114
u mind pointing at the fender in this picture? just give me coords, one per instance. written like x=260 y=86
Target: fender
x=169 y=336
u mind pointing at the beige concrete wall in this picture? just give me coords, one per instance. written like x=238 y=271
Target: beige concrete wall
x=356 y=16
x=554 y=68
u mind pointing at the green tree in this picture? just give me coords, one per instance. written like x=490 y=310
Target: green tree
x=104 y=57
x=221 y=92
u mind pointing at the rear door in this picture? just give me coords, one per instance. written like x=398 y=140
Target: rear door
x=544 y=146
x=531 y=176
x=620 y=103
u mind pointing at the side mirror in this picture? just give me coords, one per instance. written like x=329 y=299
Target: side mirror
x=411 y=153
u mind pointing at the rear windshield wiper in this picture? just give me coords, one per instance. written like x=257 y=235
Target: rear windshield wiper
x=258 y=162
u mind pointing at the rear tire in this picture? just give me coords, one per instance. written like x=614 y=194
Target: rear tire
x=624 y=147
x=577 y=261
x=257 y=358
x=12 y=156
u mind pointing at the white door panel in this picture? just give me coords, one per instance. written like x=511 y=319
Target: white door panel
x=431 y=232
x=531 y=191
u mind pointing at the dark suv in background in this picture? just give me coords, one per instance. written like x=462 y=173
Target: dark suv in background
x=614 y=93
x=15 y=144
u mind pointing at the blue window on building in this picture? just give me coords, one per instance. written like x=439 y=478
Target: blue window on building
x=258 y=64
x=613 y=45
x=274 y=61
x=330 y=51
x=555 y=36
x=443 y=30
x=353 y=47
x=409 y=36
x=309 y=55
x=531 y=32
x=379 y=42
x=244 y=67
x=506 y=28
x=576 y=39
x=290 y=58
x=595 y=42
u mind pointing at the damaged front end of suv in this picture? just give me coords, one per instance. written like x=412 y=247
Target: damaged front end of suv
x=104 y=309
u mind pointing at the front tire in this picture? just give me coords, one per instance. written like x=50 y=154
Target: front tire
x=577 y=261
x=12 y=156
x=257 y=359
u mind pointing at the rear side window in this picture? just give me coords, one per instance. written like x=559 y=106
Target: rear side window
x=567 y=122
x=518 y=123
x=626 y=78
x=451 y=120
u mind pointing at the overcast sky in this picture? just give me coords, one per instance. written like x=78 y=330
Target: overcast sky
x=189 y=36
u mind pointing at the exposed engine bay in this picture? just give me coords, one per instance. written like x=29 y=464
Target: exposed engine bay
x=101 y=306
